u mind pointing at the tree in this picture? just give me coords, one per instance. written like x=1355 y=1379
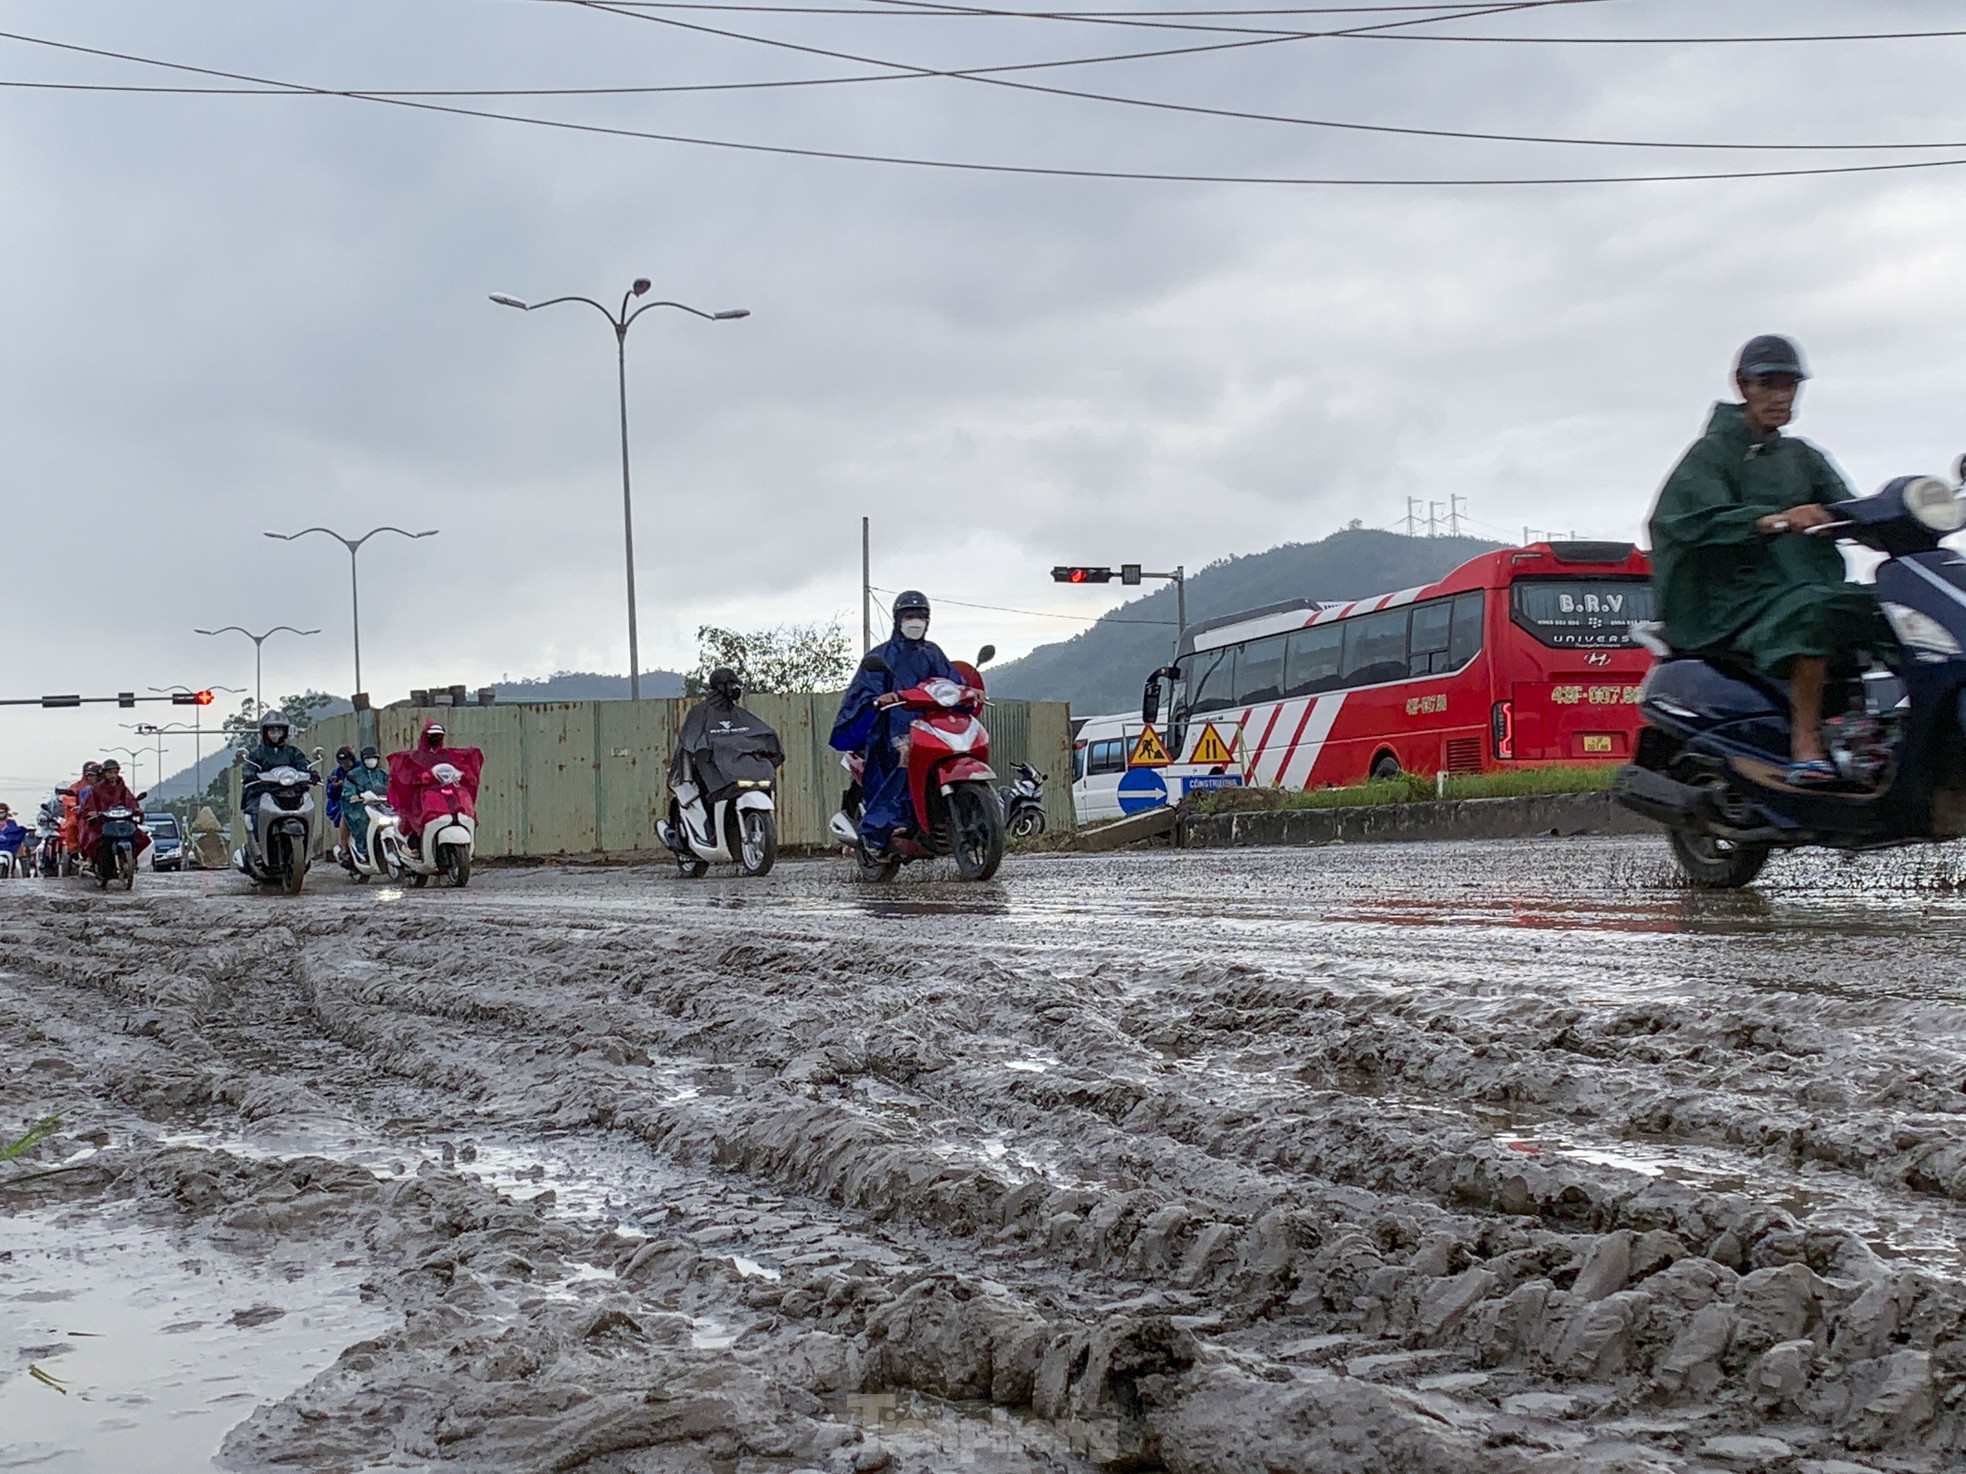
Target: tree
x=784 y=658
x=242 y=728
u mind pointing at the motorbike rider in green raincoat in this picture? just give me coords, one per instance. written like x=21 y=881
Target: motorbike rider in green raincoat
x=1733 y=562
x=368 y=776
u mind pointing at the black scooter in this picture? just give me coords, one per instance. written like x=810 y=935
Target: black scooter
x=1712 y=758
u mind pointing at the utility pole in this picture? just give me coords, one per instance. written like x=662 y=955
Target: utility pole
x=866 y=586
x=1454 y=514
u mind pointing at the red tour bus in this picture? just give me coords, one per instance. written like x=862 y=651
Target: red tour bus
x=1523 y=655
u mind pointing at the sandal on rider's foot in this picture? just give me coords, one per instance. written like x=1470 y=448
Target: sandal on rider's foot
x=1815 y=772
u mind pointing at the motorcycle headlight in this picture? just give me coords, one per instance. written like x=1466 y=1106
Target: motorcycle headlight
x=1934 y=505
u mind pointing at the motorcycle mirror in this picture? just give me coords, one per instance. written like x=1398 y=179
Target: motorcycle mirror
x=987 y=654
x=873 y=664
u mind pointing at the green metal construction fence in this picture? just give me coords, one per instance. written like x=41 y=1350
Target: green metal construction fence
x=587 y=777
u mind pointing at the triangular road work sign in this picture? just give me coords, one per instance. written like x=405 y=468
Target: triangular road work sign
x=1149 y=751
x=1210 y=749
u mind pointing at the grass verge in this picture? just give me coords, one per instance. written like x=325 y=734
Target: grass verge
x=1410 y=788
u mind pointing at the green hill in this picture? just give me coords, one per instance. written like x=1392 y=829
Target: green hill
x=1102 y=669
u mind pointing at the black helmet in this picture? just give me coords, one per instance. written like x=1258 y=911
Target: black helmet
x=345 y=755
x=369 y=752
x=91 y=770
x=110 y=765
x=911 y=601
x=269 y=725
x=724 y=683
x=1770 y=353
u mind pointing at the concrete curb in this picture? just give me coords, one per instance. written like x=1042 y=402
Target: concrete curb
x=1472 y=818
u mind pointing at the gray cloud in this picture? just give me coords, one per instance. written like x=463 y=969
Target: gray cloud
x=231 y=314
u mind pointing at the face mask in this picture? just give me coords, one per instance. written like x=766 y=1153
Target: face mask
x=913 y=629
x=371 y=762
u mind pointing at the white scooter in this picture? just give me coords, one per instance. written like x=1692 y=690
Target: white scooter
x=279 y=830
x=382 y=857
x=447 y=843
x=740 y=828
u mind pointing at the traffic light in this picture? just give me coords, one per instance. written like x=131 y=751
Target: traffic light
x=1079 y=573
x=191 y=698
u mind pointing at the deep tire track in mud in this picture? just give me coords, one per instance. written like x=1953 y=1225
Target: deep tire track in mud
x=1344 y=1160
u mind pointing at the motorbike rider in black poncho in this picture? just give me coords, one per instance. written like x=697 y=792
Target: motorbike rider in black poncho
x=273 y=751
x=721 y=743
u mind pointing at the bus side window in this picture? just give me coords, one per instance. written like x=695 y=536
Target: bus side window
x=1315 y=659
x=1428 y=654
x=1466 y=641
x=1259 y=671
x=1214 y=682
x=1375 y=647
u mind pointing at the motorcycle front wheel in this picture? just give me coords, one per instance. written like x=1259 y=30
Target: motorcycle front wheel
x=293 y=867
x=975 y=831
x=1715 y=864
x=1026 y=824
x=126 y=868
x=456 y=863
x=757 y=841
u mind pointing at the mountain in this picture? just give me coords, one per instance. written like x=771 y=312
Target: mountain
x=1102 y=669
x=586 y=685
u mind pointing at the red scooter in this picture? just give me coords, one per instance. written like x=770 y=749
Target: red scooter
x=951 y=788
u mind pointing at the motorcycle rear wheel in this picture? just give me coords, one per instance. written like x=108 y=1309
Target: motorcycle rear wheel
x=757 y=841
x=975 y=831
x=1026 y=824
x=1715 y=864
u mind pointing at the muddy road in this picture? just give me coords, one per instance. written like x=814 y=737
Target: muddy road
x=1502 y=1158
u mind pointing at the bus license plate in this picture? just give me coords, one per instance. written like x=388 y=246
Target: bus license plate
x=1597 y=742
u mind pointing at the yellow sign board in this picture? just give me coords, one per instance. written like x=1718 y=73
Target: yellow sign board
x=1149 y=751
x=1210 y=749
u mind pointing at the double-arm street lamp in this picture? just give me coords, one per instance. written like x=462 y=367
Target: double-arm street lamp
x=354 y=546
x=135 y=755
x=621 y=321
x=259 y=641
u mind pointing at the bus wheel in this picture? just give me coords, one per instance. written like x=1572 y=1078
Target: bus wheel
x=1385 y=765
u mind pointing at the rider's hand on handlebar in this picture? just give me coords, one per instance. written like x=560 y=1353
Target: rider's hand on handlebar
x=1797 y=519
x=888 y=698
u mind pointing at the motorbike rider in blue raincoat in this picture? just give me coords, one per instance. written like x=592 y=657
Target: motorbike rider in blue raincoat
x=869 y=722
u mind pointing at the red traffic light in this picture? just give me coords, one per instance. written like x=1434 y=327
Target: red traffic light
x=191 y=698
x=1080 y=573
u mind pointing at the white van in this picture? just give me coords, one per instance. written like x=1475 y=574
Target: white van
x=1099 y=749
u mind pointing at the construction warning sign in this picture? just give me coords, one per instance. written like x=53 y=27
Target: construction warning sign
x=1210 y=749
x=1149 y=751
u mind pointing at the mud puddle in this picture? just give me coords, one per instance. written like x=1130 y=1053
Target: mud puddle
x=927 y=1431
x=155 y=1348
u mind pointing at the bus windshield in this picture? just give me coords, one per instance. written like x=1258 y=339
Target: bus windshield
x=1581 y=611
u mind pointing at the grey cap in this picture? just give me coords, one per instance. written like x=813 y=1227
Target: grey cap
x=1770 y=353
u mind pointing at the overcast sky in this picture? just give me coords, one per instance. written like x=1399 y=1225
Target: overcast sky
x=229 y=314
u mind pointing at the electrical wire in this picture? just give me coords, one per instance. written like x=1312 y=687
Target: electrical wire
x=1034 y=613
x=994 y=76
x=980 y=167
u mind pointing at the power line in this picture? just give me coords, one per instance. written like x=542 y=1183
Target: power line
x=994 y=77
x=981 y=167
x=1034 y=613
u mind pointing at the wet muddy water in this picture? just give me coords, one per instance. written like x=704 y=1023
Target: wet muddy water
x=1503 y=1157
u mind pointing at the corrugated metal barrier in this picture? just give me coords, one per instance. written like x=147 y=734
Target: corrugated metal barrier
x=584 y=778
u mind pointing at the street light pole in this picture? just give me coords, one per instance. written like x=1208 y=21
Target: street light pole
x=259 y=686
x=354 y=546
x=197 y=736
x=621 y=321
